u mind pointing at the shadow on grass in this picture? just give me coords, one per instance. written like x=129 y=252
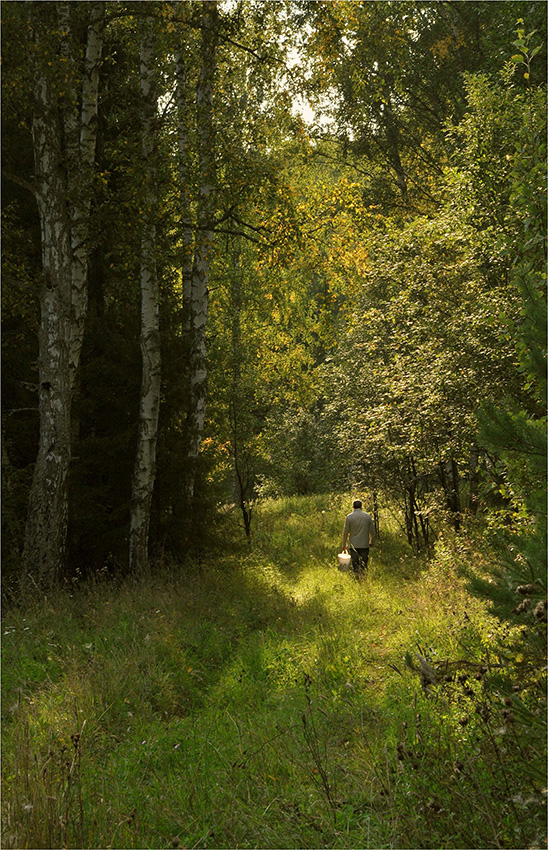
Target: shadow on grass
x=395 y=558
x=502 y=599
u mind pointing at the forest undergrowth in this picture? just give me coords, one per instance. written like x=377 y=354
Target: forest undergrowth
x=264 y=699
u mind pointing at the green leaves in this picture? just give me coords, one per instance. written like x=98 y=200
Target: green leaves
x=526 y=54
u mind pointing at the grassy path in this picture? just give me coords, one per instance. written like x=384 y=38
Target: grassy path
x=263 y=700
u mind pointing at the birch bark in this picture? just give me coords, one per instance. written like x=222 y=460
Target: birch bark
x=58 y=153
x=183 y=125
x=145 y=462
x=204 y=241
x=80 y=185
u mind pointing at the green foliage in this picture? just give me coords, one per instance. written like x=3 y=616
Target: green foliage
x=394 y=72
x=300 y=452
x=19 y=380
x=375 y=278
x=518 y=433
x=364 y=294
x=421 y=343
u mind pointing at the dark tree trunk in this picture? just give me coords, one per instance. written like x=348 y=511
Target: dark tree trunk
x=376 y=513
x=449 y=477
x=242 y=472
x=473 y=477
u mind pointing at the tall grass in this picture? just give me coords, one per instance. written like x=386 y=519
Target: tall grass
x=265 y=699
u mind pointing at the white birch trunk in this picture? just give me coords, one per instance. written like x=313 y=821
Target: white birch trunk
x=81 y=182
x=145 y=461
x=204 y=241
x=183 y=124
x=62 y=202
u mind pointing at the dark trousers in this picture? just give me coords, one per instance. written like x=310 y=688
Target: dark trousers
x=360 y=558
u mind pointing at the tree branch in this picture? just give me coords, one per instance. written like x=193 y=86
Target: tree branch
x=259 y=229
x=241 y=233
x=26 y=184
x=250 y=50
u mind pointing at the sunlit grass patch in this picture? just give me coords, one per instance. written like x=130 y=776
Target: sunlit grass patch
x=274 y=701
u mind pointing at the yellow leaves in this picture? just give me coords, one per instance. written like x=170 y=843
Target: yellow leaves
x=208 y=444
x=441 y=48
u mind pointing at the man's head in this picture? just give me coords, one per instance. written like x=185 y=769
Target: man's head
x=356 y=504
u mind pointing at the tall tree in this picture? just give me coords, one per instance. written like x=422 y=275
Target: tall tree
x=183 y=103
x=203 y=248
x=64 y=131
x=145 y=463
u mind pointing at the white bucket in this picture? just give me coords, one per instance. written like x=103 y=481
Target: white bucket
x=344 y=561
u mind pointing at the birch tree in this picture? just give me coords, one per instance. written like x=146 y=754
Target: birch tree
x=145 y=463
x=64 y=136
x=203 y=248
x=183 y=103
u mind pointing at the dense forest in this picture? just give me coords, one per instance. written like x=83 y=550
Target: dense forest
x=262 y=251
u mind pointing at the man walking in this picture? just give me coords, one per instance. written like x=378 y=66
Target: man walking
x=359 y=527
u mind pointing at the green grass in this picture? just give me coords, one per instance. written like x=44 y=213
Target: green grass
x=267 y=700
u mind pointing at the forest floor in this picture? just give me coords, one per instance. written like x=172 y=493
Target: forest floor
x=264 y=699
